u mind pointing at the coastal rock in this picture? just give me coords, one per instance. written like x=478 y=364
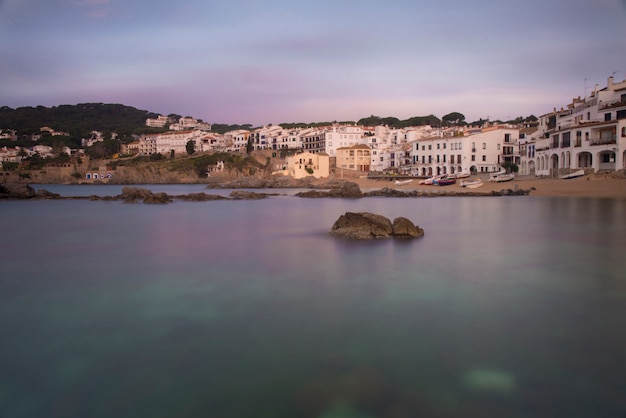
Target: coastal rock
x=17 y=191
x=45 y=194
x=132 y=194
x=245 y=195
x=275 y=182
x=404 y=228
x=362 y=225
x=348 y=189
x=200 y=197
x=365 y=225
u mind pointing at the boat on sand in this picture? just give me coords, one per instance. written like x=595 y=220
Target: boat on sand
x=502 y=177
x=403 y=182
x=573 y=174
x=472 y=183
x=445 y=181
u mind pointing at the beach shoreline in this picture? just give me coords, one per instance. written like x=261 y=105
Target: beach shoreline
x=596 y=185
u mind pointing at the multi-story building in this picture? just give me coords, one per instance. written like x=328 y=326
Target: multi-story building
x=356 y=157
x=159 y=122
x=236 y=140
x=589 y=134
x=308 y=164
x=481 y=151
x=342 y=136
x=313 y=140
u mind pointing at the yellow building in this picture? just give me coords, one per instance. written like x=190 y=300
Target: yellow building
x=308 y=164
x=356 y=157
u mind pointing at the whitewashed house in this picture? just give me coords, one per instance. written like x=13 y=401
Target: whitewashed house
x=588 y=134
x=482 y=151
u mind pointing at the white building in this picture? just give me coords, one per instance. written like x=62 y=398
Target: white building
x=589 y=134
x=159 y=122
x=340 y=136
x=236 y=140
x=480 y=152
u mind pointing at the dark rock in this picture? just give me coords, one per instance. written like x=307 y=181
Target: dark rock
x=348 y=189
x=17 y=191
x=157 y=198
x=362 y=225
x=200 y=197
x=132 y=194
x=245 y=195
x=312 y=194
x=365 y=226
x=45 y=194
x=404 y=228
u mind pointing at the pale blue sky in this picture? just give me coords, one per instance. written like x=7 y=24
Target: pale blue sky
x=256 y=61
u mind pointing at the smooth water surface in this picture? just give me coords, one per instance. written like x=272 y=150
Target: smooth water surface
x=508 y=306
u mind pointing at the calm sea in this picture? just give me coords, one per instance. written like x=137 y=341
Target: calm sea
x=508 y=307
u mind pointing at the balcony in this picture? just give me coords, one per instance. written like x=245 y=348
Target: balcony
x=604 y=140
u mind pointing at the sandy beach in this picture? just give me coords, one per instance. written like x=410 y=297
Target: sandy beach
x=597 y=185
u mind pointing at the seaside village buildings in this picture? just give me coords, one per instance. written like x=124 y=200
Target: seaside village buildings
x=588 y=134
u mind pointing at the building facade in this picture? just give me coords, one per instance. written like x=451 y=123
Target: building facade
x=481 y=151
x=588 y=134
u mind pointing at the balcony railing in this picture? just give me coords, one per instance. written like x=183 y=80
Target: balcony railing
x=612 y=139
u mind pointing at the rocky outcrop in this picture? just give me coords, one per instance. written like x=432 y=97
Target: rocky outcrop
x=246 y=195
x=348 y=189
x=404 y=228
x=133 y=194
x=17 y=191
x=276 y=182
x=365 y=226
x=200 y=197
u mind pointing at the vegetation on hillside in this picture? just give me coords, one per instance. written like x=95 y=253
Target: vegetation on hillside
x=77 y=120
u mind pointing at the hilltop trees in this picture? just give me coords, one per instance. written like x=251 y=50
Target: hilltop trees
x=453 y=119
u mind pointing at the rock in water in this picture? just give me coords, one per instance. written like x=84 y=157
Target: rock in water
x=365 y=225
x=362 y=225
x=17 y=191
x=404 y=228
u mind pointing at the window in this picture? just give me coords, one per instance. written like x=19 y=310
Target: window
x=484 y=145
x=484 y=158
x=444 y=146
x=430 y=147
x=473 y=158
x=438 y=146
x=607 y=117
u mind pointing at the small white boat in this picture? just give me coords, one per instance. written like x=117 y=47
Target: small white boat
x=471 y=183
x=430 y=180
x=573 y=174
x=403 y=182
x=462 y=175
x=502 y=177
x=496 y=174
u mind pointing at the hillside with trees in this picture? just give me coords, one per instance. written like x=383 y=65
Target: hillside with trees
x=77 y=120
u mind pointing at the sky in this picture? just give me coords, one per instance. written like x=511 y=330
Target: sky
x=281 y=61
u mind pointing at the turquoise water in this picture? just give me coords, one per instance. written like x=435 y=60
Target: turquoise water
x=509 y=306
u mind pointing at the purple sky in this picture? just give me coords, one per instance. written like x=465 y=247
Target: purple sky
x=259 y=62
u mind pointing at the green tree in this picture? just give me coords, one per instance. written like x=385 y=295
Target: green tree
x=191 y=147
x=249 y=146
x=453 y=119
